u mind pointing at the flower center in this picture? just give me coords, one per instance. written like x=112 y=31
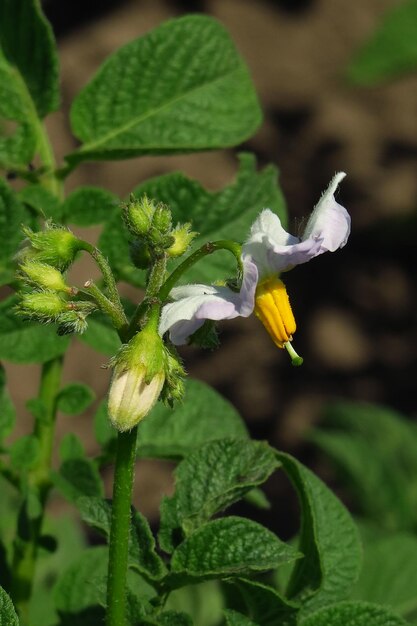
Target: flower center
x=272 y=307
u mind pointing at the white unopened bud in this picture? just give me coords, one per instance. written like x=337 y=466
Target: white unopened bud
x=131 y=397
x=138 y=378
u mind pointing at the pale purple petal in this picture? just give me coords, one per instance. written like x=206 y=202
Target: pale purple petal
x=273 y=250
x=329 y=220
x=196 y=303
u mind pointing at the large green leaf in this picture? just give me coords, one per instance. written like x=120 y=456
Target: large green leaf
x=211 y=479
x=227 y=547
x=45 y=203
x=27 y=42
x=233 y=618
x=224 y=214
x=27 y=342
x=180 y=88
x=101 y=334
x=12 y=215
x=89 y=205
x=388 y=572
x=77 y=477
x=328 y=539
x=264 y=604
x=8 y=615
x=391 y=50
x=355 y=614
x=373 y=446
x=203 y=416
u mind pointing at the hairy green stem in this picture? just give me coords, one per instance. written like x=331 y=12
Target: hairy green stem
x=120 y=528
x=30 y=525
x=123 y=481
x=207 y=248
x=116 y=314
x=105 y=269
x=155 y=281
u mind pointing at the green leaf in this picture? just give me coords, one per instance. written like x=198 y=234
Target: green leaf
x=27 y=342
x=17 y=134
x=355 y=613
x=70 y=544
x=388 y=572
x=204 y=416
x=78 y=477
x=233 y=618
x=210 y=479
x=42 y=201
x=75 y=398
x=89 y=205
x=391 y=50
x=154 y=96
x=71 y=448
x=8 y=615
x=101 y=334
x=264 y=604
x=80 y=593
x=223 y=214
x=167 y=618
x=230 y=546
x=24 y=452
x=28 y=44
x=203 y=602
x=7 y=409
x=142 y=553
x=96 y=512
x=11 y=218
x=328 y=539
x=77 y=588
x=373 y=446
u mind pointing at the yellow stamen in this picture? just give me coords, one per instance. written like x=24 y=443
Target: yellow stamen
x=272 y=307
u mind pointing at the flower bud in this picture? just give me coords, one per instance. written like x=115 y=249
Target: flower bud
x=183 y=236
x=162 y=219
x=138 y=214
x=138 y=378
x=56 y=246
x=174 y=388
x=42 y=305
x=44 y=276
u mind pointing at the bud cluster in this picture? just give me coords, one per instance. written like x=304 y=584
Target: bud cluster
x=153 y=232
x=46 y=296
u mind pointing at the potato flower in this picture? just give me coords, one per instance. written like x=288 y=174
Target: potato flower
x=268 y=251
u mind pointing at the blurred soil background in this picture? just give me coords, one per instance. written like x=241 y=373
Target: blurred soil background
x=355 y=309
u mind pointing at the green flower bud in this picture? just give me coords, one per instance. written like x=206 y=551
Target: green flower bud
x=56 y=246
x=138 y=214
x=138 y=378
x=72 y=322
x=162 y=219
x=183 y=236
x=42 y=305
x=140 y=254
x=44 y=276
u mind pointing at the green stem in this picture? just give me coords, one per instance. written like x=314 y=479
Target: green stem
x=105 y=269
x=116 y=314
x=155 y=281
x=207 y=248
x=25 y=545
x=120 y=528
